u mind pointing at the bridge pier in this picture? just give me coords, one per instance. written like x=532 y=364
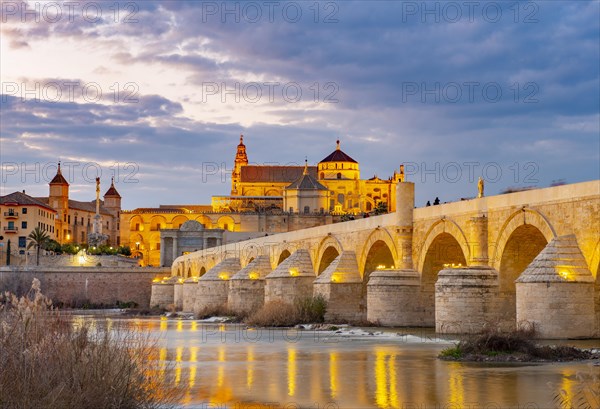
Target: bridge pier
x=247 y=287
x=341 y=285
x=393 y=295
x=555 y=293
x=466 y=300
x=190 y=289
x=163 y=293
x=213 y=287
x=292 y=279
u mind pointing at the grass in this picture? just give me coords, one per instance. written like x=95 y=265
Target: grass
x=281 y=314
x=493 y=343
x=48 y=362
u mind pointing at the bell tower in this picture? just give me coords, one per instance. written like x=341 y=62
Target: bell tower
x=59 y=201
x=241 y=159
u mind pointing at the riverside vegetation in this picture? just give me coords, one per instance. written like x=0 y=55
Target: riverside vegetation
x=49 y=362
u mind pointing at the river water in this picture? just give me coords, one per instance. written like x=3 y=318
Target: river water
x=229 y=366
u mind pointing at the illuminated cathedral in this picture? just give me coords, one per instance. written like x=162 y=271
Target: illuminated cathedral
x=333 y=186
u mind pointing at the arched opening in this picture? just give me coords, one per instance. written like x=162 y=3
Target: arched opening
x=379 y=255
x=189 y=272
x=202 y=271
x=226 y=223
x=205 y=221
x=178 y=221
x=328 y=256
x=250 y=260
x=157 y=223
x=284 y=254
x=135 y=224
x=339 y=175
x=523 y=245
x=444 y=249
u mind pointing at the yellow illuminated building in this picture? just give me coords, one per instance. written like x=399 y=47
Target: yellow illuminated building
x=338 y=173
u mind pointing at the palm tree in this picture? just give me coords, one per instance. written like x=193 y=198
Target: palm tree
x=39 y=239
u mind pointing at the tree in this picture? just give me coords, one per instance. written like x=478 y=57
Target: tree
x=38 y=239
x=381 y=208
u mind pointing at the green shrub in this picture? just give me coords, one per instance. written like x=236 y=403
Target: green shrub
x=311 y=309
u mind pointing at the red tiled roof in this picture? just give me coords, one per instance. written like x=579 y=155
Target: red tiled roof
x=23 y=199
x=274 y=174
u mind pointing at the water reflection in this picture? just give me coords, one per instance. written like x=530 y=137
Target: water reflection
x=225 y=366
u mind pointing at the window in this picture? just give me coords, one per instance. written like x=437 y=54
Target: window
x=137 y=227
x=157 y=246
x=11 y=225
x=22 y=241
x=322 y=175
x=69 y=219
x=23 y=225
x=24 y=210
x=83 y=237
x=118 y=240
x=306 y=209
x=11 y=212
x=339 y=175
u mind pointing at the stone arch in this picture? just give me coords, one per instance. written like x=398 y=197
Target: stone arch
x=377 y=235
x=136 y=220
x=285 y=253
x=514 y=221
x=158 y=222
x=272 y=192
x=202 y=271
x=189 y=272
x=595 y=262
x=443 y=249
x=525 y=242
x=205 y=221
x=178 y=220
x=249 y=253
x=442 y=226
x=226 y=223
x=329 y=247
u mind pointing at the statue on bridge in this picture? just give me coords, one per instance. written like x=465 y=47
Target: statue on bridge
x=480 y=187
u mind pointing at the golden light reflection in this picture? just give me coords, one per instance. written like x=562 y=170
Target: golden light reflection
x=291 y=372
x=178 y=356
x=163 y=323
x=194 y=326
x=333 y=374
x=394 y=401
x=254 y=275
x=381 y=393
x=250 y=370
x=221 y=369
x=566 y=386
x=224 y=276
x=566 y=274
x=294 y=272
x=455 y=385
x=386 y=380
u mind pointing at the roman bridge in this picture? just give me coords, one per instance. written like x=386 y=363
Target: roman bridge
x=385 y=268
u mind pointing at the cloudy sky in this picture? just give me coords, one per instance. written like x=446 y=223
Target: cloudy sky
x=156 y=94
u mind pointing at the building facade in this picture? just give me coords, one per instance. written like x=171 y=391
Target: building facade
x=20 y=214
x=337 y=172
x=75 y=219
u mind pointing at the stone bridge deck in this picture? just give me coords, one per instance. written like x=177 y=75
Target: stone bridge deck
x=504 y=232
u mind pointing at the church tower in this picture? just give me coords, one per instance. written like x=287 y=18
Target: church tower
x=241 y=159
x=59 y=200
